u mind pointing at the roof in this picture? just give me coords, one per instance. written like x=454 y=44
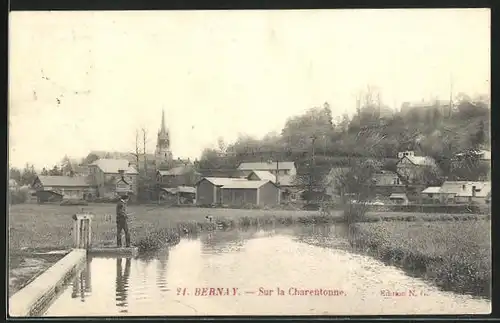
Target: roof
x=266 y=165
x=264 y=175
x=186 y=189
x=245 y=184
x=485 y=154
x=221 y=181
x=81 y=169
x=421 y=160
x=63 y=181
x=232 y=173
x=180 y=189
x=398 y=196
x=176 y=171
x=464 y=188
x=112 y=166
x=432 y=190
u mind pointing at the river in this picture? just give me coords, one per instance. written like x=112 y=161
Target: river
x=255 y=272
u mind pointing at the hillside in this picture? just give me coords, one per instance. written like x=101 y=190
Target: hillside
x=367 y=135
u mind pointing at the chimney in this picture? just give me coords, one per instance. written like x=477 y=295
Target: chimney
x=473 y=191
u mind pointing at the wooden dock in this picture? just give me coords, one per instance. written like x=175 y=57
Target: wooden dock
x=114 y=251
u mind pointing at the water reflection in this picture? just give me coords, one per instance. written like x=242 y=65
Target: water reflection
x=82 y=283
x=122 y=278
x=248 y=260
x=220 y=242
x=161 y=270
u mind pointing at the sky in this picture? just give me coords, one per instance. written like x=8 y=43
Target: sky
x=82 y=81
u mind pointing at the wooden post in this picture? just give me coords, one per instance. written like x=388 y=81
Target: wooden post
x=82 y=231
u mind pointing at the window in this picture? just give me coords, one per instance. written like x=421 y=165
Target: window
x=463 y=187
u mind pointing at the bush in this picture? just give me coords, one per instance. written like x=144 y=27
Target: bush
x=18 y=196
x=355 y=212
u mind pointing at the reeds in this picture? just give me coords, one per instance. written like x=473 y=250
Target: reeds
x=454 y=255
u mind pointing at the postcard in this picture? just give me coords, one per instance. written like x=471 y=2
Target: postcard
x=249 y=162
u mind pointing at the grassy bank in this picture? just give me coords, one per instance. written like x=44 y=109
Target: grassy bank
x=454 y=255
x=50 y=226
x=426 y=244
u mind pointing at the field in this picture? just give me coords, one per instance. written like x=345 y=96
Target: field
x=427 y=244
x=33 y=226
x=50 y=226
x=455 y=255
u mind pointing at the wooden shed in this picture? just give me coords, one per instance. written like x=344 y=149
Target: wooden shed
x=208 y=189
x=260 y=193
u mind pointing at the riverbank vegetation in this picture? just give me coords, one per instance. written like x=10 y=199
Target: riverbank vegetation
x=454 y=255
x=450 y=249
x=50 y=226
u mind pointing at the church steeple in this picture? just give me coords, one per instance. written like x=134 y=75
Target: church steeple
x=162 y=152
x=163 y=128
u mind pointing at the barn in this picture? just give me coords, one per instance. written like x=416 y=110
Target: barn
x=262 y=193
x=56 y=188
x=208 y=189
x=236 y=192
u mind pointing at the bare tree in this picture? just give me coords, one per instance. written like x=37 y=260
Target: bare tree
x=137 y=151
x=144 y=142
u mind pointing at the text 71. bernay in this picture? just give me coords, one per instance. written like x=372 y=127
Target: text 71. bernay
x=233 y=291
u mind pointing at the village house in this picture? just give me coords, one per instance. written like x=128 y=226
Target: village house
x=185 y=175
x=106 y=174
x=279 y=169
x=289 y=191
x=387 y=182
x=481 y=154
x=458 y=192
x=412 y=169
x=58 y=188
x=399 y=198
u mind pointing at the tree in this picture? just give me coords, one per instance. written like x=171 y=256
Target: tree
x=356 y=188
x=146 y=178
x=137 y=151
x=209 y=159
x=90 y=159
x=315 y=122
x=478 y=138
x=55 y=171
x=222 y=146
x=28 y=175
x=15 y=174
x=66 y=166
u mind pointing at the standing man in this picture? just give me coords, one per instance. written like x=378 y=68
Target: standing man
x=121 y=221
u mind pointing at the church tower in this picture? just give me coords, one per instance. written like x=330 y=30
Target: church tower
x=162 y=152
